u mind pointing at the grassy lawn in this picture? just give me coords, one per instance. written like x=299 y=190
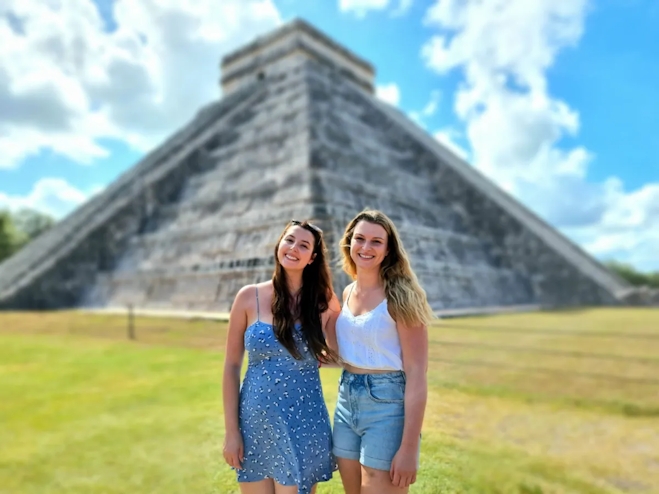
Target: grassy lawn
x=557 y=402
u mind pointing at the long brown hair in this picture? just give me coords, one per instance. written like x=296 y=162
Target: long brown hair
x=406 y=298
x=312 y=299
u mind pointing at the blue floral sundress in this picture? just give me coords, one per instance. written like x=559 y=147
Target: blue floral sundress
x=283 y=417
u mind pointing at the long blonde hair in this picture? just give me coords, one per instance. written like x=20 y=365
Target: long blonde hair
x=406 y=298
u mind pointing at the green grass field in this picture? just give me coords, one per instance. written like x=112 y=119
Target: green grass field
x=556 y=402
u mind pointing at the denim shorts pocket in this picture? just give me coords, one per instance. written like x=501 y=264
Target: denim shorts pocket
x=385 y=391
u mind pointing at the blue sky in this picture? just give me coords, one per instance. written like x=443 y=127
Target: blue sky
x=571 y=131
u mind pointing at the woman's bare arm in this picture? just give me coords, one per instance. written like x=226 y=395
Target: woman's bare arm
x=233 y=360
x=414 y=346
x=329 y=327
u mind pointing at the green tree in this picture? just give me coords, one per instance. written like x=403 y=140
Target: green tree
x=633 y=276
x=11 y=239
x=19 y=228
x=31 y=222
x=653 y=279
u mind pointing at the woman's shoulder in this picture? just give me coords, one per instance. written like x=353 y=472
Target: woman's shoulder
x=263 y=286
x=333 y=304
x=249 y=293
x=347 y=290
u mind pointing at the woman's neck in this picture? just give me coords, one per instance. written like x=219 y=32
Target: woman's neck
x=368 y=281
x=293 y=283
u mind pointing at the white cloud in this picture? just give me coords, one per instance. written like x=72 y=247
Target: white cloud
x=515 y=127
x=65 y=82
x=389 y=93
x=402 y=8
x=447 y=138
x=361 y=7
x=431 y=107
x=53 y=196
x=629 y=227
x=504 y=48
x=429 y=110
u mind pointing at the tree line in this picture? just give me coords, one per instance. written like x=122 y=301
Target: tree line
x=633 y=276
x=20 y=227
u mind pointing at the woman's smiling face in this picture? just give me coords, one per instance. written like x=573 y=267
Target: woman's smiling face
x=295 y=250
x=368 y=246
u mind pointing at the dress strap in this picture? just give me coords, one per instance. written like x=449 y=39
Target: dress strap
x=258 y=317
x=350 y=292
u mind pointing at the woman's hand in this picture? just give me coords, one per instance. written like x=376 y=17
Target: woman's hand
x=403 y=467
x=234 y=450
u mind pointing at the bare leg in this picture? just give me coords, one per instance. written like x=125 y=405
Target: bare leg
x=351 y=475
x=289 y=489
x=265 y=486
x=379 y=482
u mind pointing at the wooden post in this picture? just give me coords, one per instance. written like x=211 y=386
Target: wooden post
x=131 y=323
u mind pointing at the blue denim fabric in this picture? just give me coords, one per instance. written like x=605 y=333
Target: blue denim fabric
x=369 y=418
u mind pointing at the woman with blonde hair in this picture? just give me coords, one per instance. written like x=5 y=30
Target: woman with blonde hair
x=383 y=344
x=277 y=430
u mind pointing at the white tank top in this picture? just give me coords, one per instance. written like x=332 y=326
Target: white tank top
x=370 y=340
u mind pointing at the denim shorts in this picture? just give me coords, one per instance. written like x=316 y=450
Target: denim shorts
x=369 y=418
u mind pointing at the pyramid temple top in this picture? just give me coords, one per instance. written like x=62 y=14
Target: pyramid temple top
x=295 y=38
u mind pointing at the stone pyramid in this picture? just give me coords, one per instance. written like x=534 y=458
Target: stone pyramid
x=298 y=134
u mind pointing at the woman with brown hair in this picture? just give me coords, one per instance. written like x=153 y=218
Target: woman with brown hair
x=278 y=432
x=383 y=345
